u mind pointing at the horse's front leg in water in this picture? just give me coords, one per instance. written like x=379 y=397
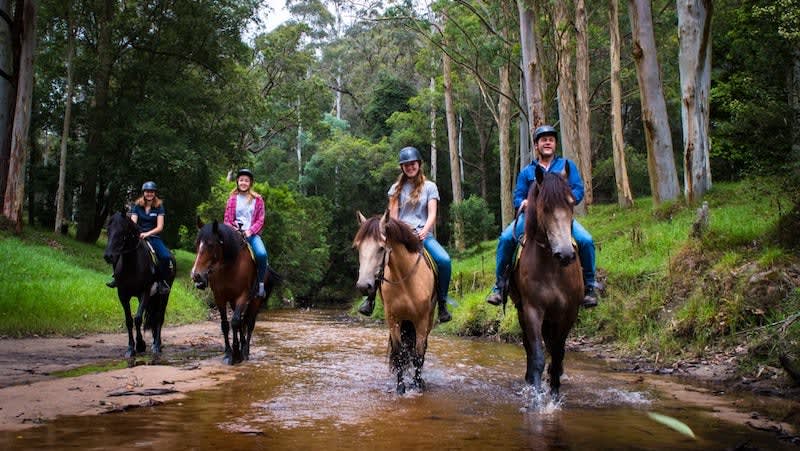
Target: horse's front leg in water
x=125 y=300
x=223 y=319
x=534 y=347
x=238 y=336
x=141 y=346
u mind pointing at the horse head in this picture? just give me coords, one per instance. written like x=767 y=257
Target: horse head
x=123 y=236
x=550 y=212
x=370 y=243
x=208 y=247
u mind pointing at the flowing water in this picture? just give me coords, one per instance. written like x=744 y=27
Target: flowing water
x=318 y=381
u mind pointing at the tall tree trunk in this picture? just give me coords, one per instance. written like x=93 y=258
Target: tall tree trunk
x=92 y=205
x=62 y=165
x=694 y=34
x=624 y=195
x=531 y=72
x=15 y=183
x=452 y=137
x=584 y=146
x=6 y=93
x=504 y=130
x=566 y=89
x=660 y=156
x=794 y=95
x=434 y=159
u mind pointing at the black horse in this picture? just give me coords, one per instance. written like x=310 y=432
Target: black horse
x=135 y=274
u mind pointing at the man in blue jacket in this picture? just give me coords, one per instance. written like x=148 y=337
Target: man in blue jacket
x=544 y=142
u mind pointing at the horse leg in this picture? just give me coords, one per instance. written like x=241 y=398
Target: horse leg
x=396 y=358
x=223 y=319
x=141 y=346
x=534 y=346
x=419 y=360
x=158 y=322
x=126 y=307
x=556 y=345
x=237 y=324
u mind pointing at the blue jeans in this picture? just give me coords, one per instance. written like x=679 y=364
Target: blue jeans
x=260 y=253
x=162 y=252
x=506 y=245
x=443 y=264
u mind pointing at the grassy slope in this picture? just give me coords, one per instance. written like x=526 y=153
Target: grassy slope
x=50 y=284
x=667 y=292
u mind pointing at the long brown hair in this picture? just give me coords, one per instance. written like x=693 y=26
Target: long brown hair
x=418 y=181
x=156 y=201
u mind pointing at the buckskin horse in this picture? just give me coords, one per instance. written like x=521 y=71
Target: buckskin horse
x=224 y=262
x=547 y=286
x=391 y=263
x=134 y=271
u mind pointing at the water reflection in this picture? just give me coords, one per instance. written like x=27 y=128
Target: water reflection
x=318 y=381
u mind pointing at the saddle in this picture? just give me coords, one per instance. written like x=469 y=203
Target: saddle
x=153 y=256
x=515 y=256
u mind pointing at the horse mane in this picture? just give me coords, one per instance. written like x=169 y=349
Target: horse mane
x=548 y=193
x=395 y=230
x=232 y=240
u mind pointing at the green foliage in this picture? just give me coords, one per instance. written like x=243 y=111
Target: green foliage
x=479 y=222
x=53 y=285
x=390 y=95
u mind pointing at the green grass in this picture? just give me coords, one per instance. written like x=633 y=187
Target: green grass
x=54 y=285
x=91 y=369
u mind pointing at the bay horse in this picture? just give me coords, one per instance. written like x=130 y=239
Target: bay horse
x=135 y=274
x=391 y=262
x=547 y=285
x=224 y=262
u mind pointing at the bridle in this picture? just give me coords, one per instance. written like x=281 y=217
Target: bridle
x=379 y=277
x=215 y=260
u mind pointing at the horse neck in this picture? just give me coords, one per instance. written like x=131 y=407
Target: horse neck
x=401 y=260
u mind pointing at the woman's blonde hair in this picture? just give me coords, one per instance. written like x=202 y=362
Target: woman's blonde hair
x=156 y=201
x=418 y=181
x=251 y=195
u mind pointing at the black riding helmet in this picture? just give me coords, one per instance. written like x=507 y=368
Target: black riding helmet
x=544 y=130
x=409 y=154
x=149 y=186
x=247 y=172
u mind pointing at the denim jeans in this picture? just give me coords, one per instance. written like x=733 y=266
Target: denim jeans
x=586 y=253
x=162 y=252
x=260 y=253
x=443 y=264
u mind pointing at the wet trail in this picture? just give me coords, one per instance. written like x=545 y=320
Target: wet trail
x=320 y=381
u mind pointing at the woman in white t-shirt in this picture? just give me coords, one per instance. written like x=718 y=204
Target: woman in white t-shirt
x=414 y=200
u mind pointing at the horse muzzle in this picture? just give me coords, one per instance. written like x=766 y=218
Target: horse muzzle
x=200 y=280
x=564 y=259
x=366 y=289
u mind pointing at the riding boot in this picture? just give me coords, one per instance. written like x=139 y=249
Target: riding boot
x=495 y=297
x=261 y=292
x=367 y=306
x=163 y=287
x=112 y=283
x=444 y=315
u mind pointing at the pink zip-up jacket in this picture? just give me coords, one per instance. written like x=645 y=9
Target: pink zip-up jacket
x=258 y=215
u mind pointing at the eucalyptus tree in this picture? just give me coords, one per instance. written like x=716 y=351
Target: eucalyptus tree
x=694 y=33
x=660 y=157
x=13 y=170
x=623 y=188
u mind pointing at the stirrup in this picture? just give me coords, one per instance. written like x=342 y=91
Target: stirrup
x=495 y=297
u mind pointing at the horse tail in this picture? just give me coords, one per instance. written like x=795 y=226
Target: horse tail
x=273 y=279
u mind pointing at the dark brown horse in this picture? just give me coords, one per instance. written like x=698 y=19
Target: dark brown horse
x=390 y=261
x=224 y=262
x=134 y=272
x=547 y=286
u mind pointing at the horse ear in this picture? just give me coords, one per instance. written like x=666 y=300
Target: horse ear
x=566 y=171
x=199 y=223
x=361 y=218
x=539 y=173
x=384 y=219
x=215 y=227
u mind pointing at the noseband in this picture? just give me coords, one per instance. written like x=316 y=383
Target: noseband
x=379 y=277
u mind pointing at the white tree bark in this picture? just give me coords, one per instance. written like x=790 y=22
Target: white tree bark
x=6 y=95
x=694 y=34
x=452 y=137
x=62 y=165
x=660 y=156
x=584 y=145
x=15 y=185
x=531 y=73
x=434 y=159
x=624 y=195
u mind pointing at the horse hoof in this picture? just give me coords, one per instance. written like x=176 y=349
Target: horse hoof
x=401 y=389
x=141 y=347
x=130 y=353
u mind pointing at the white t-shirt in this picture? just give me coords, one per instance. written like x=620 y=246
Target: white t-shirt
x=244 y=210
x=415 y=215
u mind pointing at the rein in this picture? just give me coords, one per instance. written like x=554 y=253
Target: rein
x=379 y=278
